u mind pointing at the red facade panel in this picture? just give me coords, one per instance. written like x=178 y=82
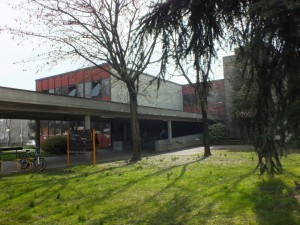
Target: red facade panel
x=38 y=85
x=51 y=83
x=72 y=78
x=87 y=74
x=45 y=85
x=80 y=77
x=187 y=89
x=99 y=74
x=76 y=83
x=57 y=81
x=64 y=80
x=216 y=104
x=96 y=74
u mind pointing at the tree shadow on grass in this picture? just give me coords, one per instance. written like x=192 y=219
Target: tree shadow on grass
x=274 y=203
x=165 y=213
x=52 y=189
x=180 y=207
x=162 y=212
x=177 y=208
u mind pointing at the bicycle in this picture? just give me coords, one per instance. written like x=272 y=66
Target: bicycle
x=29 y=161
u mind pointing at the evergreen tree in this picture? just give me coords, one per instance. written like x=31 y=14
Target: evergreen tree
x=271 y=41
x=192 y=30
x=268 y=34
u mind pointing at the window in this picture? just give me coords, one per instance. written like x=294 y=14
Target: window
x=87 y=89
x=58 y=91
x=65 y=90
x=96 y=89
x=72 y=91
x=80 y=90
x=105 y=87
x=189 y=100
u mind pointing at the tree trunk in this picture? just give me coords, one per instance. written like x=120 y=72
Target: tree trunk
x=205 y=127
x=9 y=139
x=135 y=129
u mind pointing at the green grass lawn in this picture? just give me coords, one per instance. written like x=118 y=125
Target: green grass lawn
x=221 y=189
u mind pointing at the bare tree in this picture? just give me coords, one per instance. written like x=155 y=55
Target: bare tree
x=6 y=130
x=102 y=31
x=200 y=83
x=2 y=131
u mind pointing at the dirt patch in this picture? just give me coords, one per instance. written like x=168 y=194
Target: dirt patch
x=297 y=197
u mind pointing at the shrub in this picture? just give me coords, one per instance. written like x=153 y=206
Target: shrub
x=216 y=131
x=55 y=145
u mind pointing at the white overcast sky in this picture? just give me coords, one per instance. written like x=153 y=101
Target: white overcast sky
x=23 y=76
x=14 y=74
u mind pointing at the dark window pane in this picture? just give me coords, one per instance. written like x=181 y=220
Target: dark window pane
x=72 y=91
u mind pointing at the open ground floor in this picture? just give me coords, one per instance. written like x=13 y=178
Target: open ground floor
x=115 y=133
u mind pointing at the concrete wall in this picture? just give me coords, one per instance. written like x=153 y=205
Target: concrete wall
x=163 y=145
x=179 y=143
x=168 y=96
x=118 y=91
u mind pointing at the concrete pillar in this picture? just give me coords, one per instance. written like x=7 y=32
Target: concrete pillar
x=38 y=134
x=87 y=122
x=125 y=131
x=170 y=131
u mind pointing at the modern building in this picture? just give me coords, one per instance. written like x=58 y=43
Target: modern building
x=98 y=84
x=216 y=99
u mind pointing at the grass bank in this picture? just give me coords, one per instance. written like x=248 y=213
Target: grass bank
x=221 y=189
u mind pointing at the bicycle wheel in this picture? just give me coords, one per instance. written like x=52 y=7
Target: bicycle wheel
x=39 y=164
x=24 y=163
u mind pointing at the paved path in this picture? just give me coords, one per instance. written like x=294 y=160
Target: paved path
x=9 y=167
x=189 y=151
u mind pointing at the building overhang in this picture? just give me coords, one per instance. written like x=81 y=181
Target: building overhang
x=23 y=104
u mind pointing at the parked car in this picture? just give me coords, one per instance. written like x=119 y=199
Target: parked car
x=30 y=143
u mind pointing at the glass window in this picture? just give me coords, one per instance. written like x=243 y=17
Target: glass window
x=105 y=87
x=79 y=88
x=65 y=90
x=189 y=99
x=58 y=90
x=72 y=91
x=96 y=91
x=51 y=128
x=87 y=89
